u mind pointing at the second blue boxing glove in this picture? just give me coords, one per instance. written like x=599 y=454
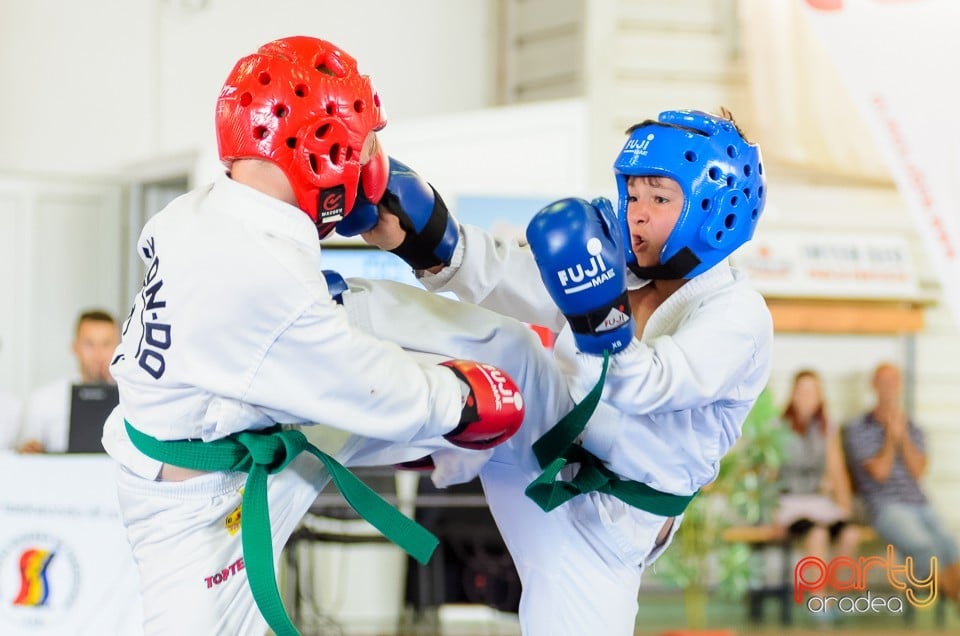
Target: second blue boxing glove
x=579 y=251
x=431 y=232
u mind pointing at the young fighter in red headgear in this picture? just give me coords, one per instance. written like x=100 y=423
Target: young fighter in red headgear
x=235 y=332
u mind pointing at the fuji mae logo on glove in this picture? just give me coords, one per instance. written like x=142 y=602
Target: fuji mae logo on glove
x=500 y=390
x=583 y=277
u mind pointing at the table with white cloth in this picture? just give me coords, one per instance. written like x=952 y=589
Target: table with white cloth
x=65 y=565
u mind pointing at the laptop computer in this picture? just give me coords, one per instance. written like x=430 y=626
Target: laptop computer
x=90 y=404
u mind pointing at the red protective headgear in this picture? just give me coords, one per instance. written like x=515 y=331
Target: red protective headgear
x=300 y=103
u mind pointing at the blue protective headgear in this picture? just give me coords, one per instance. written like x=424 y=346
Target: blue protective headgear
x=721 y=175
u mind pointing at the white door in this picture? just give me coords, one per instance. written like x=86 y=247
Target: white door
x=62 y=248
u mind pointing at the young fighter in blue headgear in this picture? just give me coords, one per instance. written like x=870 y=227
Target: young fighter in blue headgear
x=661 y=343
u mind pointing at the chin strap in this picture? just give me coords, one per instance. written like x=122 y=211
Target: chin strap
x=678 y=266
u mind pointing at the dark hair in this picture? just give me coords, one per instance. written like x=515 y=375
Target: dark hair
x=790 y=413
x=95 y=315
x=654 y=122
x=652 y=180
x=724 y=113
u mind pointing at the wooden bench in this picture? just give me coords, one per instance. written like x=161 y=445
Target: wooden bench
x=759 y=538
x=772 y=534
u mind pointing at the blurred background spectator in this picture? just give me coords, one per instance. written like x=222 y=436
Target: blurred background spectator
x=46 y=417
x=887 y=457
x=815 y=505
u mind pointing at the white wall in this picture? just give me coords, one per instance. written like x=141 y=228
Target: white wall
x=97 y=86
x=60 y=245
x=76 y=84
x=528 y=149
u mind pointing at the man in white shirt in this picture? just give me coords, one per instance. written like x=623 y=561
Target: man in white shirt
x=46 y=418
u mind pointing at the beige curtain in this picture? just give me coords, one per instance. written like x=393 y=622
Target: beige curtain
x=900 y=60
x=801 y=113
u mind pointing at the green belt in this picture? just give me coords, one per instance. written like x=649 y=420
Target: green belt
x=557 y=448
x=264 y=452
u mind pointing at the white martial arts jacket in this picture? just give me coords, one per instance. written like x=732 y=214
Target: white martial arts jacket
x=675 y=399
x=234 y=329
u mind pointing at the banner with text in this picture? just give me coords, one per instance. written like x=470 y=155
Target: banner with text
x=66 y=568
x=803 y=264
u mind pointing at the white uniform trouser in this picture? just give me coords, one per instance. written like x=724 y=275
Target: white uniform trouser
x=580 y=565
x=187 y=546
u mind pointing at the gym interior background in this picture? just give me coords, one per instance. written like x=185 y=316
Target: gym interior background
x=505 y=105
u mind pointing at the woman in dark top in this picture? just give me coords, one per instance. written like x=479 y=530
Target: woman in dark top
x=816 y=496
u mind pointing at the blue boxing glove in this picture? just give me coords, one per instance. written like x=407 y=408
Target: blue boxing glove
x=431 y=232
x=336 y=285
x=579 y=250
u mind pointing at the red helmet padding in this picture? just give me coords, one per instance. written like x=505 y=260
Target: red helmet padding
x=375 y=175
x=300 y=103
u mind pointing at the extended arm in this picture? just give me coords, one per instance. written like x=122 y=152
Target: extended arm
x=719 y=347
x=412 y=221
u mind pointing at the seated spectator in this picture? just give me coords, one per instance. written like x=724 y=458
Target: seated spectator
x=887 y=457
x=816 y=500
x=46 y=418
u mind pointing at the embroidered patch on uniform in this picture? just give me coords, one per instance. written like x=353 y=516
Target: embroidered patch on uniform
x=232 y=522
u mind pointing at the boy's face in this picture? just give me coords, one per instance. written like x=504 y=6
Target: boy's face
x=653 y=207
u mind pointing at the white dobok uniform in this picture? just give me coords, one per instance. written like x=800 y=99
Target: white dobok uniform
x=234 y=329
x=248 y=336
x=672 y=405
